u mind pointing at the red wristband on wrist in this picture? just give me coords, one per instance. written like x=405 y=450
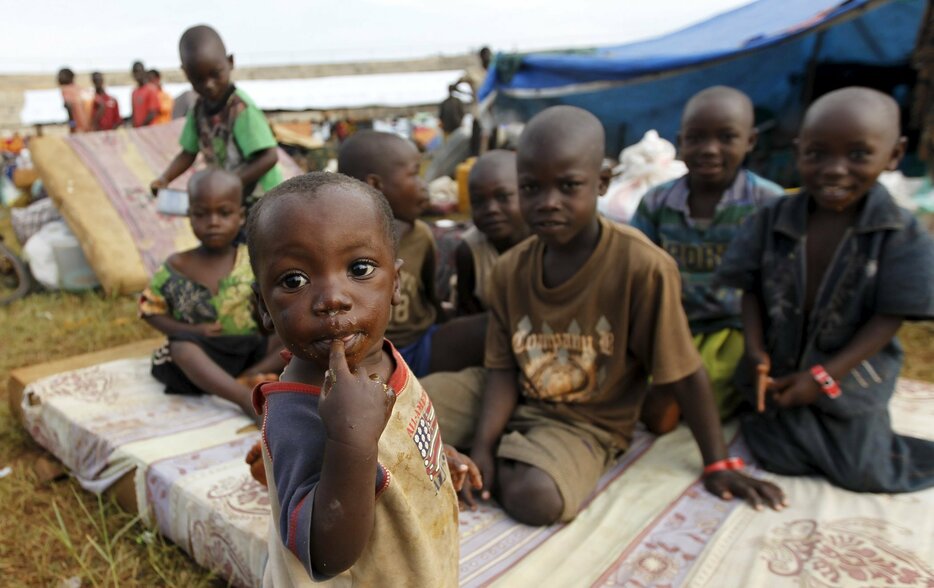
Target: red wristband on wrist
x=826 y=382
x=730 y=463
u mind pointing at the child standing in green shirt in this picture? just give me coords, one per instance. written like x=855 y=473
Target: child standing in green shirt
x=225 y=125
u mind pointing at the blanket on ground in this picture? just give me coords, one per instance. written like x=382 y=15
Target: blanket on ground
x=100 y=184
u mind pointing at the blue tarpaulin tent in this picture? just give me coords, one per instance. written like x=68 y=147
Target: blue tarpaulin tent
x=782 y=53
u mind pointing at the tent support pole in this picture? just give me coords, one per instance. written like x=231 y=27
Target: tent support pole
x=809 y=79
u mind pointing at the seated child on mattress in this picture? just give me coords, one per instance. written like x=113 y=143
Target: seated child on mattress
x=201 y=299
x=358 y=478
x=694 y=218
x=417 y=325
x=828 y=277
x=581 y=315
x=498 y=225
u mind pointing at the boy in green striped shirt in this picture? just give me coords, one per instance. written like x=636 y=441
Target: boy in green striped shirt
x=694 y=218
x=225 y=125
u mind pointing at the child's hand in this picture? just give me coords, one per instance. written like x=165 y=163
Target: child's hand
x=463 y=469
x=486 y=464
x=157 y=184
x=209 y=329
x=254 y=459
x=728 y=484
x=798 y=389
x=353 y=406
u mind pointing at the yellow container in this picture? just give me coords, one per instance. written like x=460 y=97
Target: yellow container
x=463 y=193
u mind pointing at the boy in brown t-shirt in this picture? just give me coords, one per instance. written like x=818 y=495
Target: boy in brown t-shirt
x=498 y=226
x=581 y=315
x=391 y=164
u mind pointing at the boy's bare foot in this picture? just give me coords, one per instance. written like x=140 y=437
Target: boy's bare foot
x=660 y=412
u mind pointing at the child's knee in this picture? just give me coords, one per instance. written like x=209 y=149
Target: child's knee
x=660 y=411
x=186 y=354
x=529 y=495
x=181 y=350
x=178 y=346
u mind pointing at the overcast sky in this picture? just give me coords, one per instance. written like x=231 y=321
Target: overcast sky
x=44 y=35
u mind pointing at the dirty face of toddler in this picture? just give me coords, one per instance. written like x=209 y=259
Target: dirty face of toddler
x=327 y=271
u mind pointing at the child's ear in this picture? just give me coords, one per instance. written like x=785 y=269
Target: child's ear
x=375 y=181
x=753 y=139
x=606 y=174
x=396 y=285
x=897 y=153
x=261 y=310
x=230 y=60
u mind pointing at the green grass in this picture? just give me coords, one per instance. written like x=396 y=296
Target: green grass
x=71 y=533
x=50 y=533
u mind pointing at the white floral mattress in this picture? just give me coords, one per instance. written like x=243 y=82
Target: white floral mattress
x=649 y=524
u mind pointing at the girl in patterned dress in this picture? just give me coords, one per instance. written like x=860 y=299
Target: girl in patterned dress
x=202 y=300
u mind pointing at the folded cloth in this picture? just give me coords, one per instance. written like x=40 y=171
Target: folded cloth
x=27 y=221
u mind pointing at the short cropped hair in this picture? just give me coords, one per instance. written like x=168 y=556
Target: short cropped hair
x=309 y=186
x=451 y=114
x=211 y=180
x=196 y=37
x=65 y=76
x=367 y=152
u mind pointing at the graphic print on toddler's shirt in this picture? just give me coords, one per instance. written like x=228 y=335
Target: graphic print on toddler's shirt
x=423 y=427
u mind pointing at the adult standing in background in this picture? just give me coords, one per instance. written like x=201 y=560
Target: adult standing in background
x=165 y=99
x=456 y=146
x=145 y=98
x=78 y=119
x=474 y=74
x=105 y=112
x=482 y=136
